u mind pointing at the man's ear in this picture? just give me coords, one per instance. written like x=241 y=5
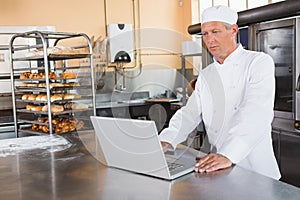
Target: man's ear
x=234 y=29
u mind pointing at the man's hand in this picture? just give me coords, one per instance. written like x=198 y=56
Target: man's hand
x=212 y=162
x=165 y=146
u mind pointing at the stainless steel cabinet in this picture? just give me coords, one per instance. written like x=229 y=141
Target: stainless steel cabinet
x=290 y=157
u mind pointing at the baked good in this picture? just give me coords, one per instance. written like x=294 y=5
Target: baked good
x=45 y=129
x=54 y=108
x=25 y=75
x=23 y=84
x=31 y=97
x=31 y=84
x=44 y=97
x=56 y=85
x=39 y=97
x=25 y=96
x=42 y=85
x=35 y=127
x=68 y=106
x=56 y=97
x=36 y=108
x=29 y=106
x=68 y=75
x=71 y=96
x=72 y=84
x=52 y=75
x=35 y=75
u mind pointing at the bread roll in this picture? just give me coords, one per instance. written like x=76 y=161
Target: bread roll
x=44 y=97
x=42 y=85
x=56 y=85
x=35 y=127
x=31 y=97
x=52 y=75
x=56 y=97
x=54 y=108
x=23 y=85
x=71 y=96
x=72 y=84
x=69 y=75
x=45 y=129
x=25 y=97
x=39 y=97
x=31 y=84
x=25 y=75
x=29 y=106
x=36 y=108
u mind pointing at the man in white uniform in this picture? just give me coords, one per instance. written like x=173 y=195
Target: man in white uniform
x=234 y=96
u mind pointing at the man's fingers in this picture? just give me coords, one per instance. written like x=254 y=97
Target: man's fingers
x=212 y=162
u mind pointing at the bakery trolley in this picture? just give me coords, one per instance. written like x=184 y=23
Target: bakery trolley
x=41 y=71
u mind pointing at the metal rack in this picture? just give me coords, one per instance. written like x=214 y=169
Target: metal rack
x=46 y=63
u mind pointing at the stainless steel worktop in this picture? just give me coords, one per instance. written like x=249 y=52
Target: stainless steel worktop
x=73 y=173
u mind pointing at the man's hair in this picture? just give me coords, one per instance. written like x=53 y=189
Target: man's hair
x=227 y=26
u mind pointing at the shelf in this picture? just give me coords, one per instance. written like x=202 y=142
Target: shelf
x=53 y=57
x=56 y=101
x=56 y=69
x=29 y=130
x=54 y=113
x=43 y=89
x=36 y=52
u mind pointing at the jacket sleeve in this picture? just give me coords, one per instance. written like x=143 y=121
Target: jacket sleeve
x=252 y=121
x=184 y=121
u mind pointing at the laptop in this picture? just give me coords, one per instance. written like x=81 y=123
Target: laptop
x=133 y=145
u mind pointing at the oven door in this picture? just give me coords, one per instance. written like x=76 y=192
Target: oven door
x=278 y=39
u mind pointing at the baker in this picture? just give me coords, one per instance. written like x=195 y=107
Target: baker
x=234 y=96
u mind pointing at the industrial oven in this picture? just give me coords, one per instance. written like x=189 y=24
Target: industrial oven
x=281 y=40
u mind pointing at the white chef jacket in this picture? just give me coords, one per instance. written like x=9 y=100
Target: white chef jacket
x=235 y=101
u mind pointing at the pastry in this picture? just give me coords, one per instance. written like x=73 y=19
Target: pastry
x=25 y=97
x=68 y=106
x=31 y=84
x=52 y=75
x=71 y=96
x=42 y=85
x=39 y=97
x=56 y=85
x=54 y=108
x=25 y=75
x=36 y=108
x=72 y=84
x=45 y=129
x=44 y=97
x=29 y=106
x=56 y=97
x=35 y=127
x=23 y=84
x=69 y=75
x=31 y=97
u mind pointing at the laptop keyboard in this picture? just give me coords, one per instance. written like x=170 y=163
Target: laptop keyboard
x=174 y=166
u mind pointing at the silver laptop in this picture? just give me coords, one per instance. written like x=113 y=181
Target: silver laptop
x=133 y=145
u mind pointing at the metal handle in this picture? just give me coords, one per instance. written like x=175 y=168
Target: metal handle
x=298 y=83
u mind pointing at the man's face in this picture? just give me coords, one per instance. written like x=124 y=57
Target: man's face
x=219 y=40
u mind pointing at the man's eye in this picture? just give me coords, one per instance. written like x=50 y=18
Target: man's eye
x=204 y=34
x=215 y=32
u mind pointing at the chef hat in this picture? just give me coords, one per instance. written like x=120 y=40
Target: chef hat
x=219 y=13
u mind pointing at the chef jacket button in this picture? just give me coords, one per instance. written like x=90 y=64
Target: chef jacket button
x=235 y=108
